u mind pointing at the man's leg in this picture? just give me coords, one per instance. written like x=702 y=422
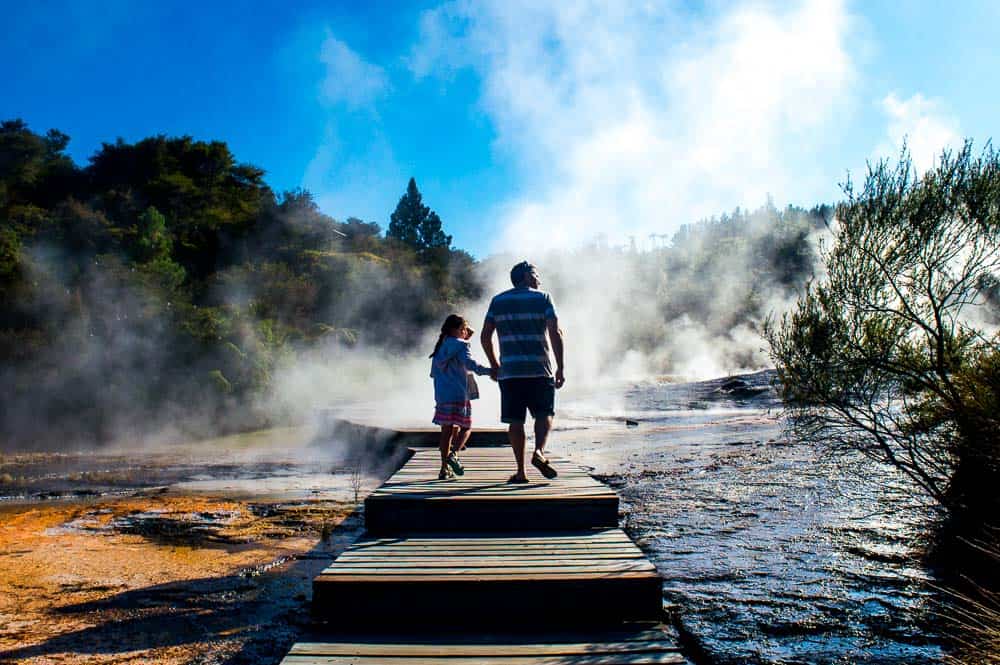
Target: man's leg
x=512 y=411
x=542 y=409
x=543 y=425
x=516 y=435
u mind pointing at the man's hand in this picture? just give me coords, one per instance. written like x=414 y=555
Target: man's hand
x=486 y=338
x=556 y=337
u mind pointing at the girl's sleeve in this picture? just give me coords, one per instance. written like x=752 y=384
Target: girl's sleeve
x=470 y=364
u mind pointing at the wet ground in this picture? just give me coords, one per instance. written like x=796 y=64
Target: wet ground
x=203 y=553
x=770 y=553
x=196 y=554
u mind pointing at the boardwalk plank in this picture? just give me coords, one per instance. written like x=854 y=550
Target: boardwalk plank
x=662 y=658
x=414 y=500
x=478 y=650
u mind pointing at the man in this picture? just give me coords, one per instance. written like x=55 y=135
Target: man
x=521 y=317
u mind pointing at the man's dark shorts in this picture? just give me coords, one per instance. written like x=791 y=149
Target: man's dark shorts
x=537 y=395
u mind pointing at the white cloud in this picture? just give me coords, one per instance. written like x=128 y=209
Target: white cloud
x=349 y=79
x=923 y=124
x=631 y=119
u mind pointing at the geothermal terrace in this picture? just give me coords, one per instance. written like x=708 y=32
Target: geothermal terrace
x=473 y=570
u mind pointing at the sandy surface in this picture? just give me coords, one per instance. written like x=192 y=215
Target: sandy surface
x=161 y=577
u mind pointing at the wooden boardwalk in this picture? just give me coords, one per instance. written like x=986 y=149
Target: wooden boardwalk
x=415 y=500
x=447 y=564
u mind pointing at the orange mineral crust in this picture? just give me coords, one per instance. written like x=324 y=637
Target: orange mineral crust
x=157 y=578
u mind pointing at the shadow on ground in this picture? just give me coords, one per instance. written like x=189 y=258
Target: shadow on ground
x=252 y=616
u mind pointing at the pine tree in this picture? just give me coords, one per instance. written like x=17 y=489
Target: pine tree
x=415 y=224
x=431 y=234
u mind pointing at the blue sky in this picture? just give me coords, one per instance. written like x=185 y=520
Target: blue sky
x=524 y=124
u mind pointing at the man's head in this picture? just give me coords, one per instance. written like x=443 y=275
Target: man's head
x=524 y=274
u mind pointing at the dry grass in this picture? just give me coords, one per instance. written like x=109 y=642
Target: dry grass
x=974 y=617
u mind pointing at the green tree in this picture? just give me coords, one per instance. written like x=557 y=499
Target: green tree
x=155 y=244
x=884 y=355
x=154 y=240
x=10 y=255
x=416 y=225
x=33 y=168
x=210 y=200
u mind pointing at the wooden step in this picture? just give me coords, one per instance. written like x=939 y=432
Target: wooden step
x=414 y=500
x=644 y=643
x=595 y=576
x=630 y=643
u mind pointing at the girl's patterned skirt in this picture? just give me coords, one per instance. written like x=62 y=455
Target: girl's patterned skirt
x=453 y=413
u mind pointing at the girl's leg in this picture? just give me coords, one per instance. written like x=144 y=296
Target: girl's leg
x=447 y=434
x=462 y=439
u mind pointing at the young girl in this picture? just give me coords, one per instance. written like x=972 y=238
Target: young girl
x=452 y=361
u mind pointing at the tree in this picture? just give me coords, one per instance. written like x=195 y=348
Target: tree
x=210 y=200
x=884 y=355
x=416 y=225
x=153 y=240
x=154 y=247
x=33 y=168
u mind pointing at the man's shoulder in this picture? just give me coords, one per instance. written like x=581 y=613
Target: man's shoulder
x=521 y=294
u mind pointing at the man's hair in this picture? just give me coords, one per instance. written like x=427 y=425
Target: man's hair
x=520 y=272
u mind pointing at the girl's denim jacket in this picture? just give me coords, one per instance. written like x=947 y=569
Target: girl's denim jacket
x=449 y=369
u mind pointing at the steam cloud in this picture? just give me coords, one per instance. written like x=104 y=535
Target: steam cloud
x=692 y=310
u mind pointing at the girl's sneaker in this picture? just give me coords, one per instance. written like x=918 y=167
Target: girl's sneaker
x=445 y=475
x=456 y=465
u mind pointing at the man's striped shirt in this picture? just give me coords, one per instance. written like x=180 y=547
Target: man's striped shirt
x=519 y=316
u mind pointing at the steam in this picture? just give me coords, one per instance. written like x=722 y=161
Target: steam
x=635 y=119
x=923 y=126
x=619 y=135
x=691 y=310
x=112 y=367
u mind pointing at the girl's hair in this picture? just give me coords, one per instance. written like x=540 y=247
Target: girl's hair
x=453 y=322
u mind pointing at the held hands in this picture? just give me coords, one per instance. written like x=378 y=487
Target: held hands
x=560 y=377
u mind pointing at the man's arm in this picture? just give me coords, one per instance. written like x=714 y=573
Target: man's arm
x=486 y=338
x=556 y=337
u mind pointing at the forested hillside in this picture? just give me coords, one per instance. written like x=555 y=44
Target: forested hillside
x=164 y=284
x=165 y=281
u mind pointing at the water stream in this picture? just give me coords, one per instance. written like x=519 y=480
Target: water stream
x=769 y=552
